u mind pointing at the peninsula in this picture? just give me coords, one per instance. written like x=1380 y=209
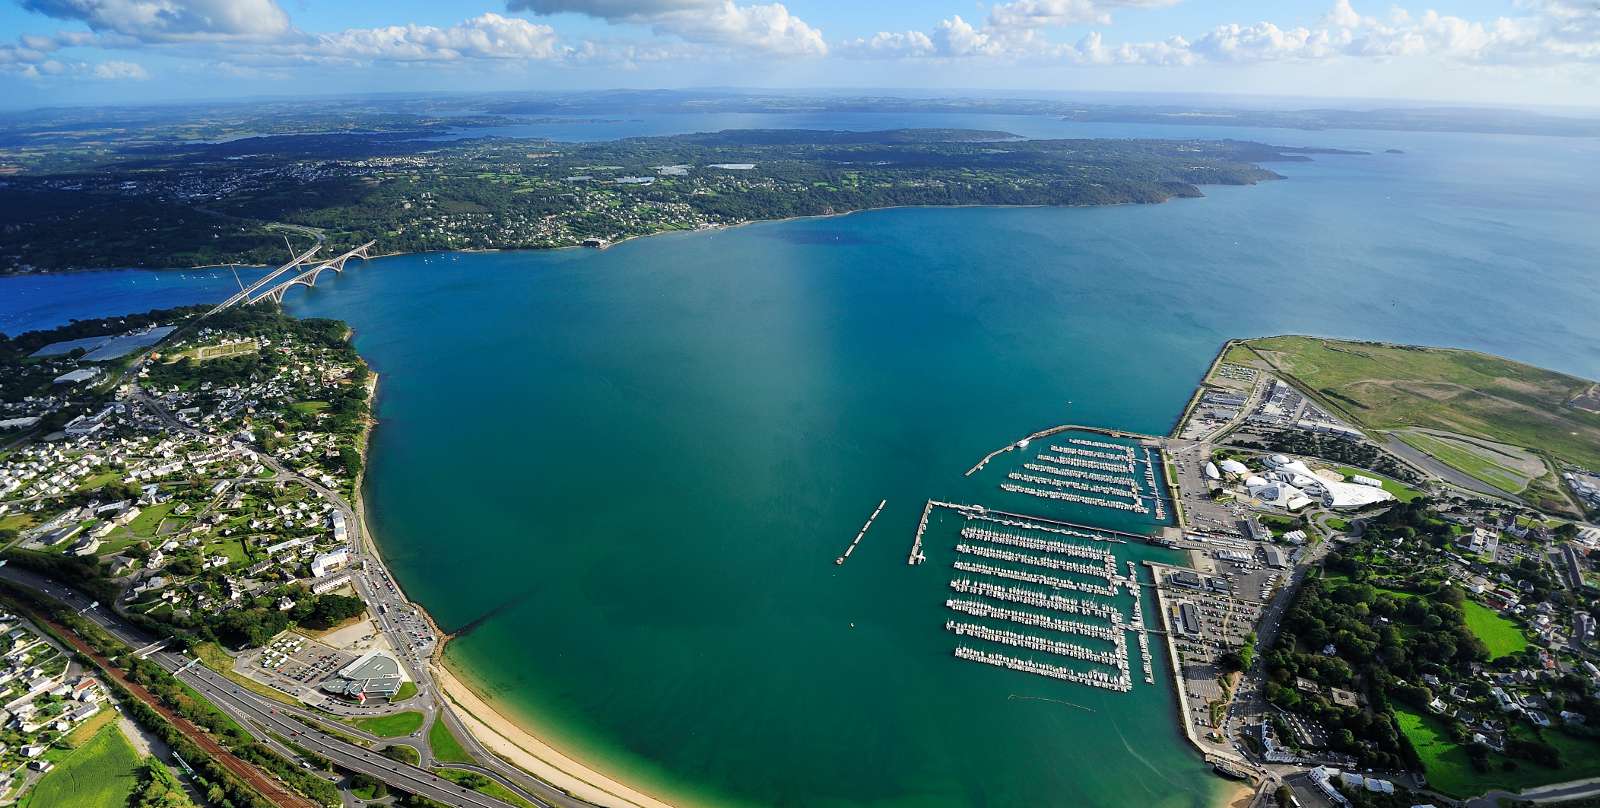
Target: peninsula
x=184 y=204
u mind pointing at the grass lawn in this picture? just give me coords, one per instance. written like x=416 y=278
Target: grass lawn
x=406 y=753
x=1450 y=771
x=1387 y=387
x=145 y=524
x=406 y=691
x=391 y=726
x=81 y=734
x=445 y=746
x=1468 y=462
x=1337 y=524
x=232 y=548
x=1500 y=635
x=1397 y=489
x=1239 y=354
x=98 y=480
x=483 y=785
x=100 y=774
x=16 y=521
x=309 y=406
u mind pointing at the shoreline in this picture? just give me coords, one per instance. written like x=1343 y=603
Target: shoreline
x=505 y=737
x=518 y=745
x=625 y=239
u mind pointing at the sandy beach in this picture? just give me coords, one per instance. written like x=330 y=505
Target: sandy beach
x=496 y=732
x=505 y=738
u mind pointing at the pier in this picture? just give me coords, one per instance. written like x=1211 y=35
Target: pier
x=1066 y=496
x=862 y=532
x=917 y=556
x=1040 y=545
x=980 y=609
x=1092 y=678
x=978 y=568
x=1028 y=597
x=1032 y=643
x=1056 y=430
x=1044 y=562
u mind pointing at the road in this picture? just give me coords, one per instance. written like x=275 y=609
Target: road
x=387 y=602
x=261 y=716
x=1428 y=464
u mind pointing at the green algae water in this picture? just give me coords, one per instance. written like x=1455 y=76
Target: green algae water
x=626 y=474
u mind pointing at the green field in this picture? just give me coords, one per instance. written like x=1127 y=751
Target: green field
x=1500 y=635
x=446 y=748
x=1399 y=490
x=309 y=406
x=1450 y=771
x=1387 y=387
x=149 y=520
x=1474 y=464
x=406 y=691
x=391 y=726
x=483 y=785
x=102 y=773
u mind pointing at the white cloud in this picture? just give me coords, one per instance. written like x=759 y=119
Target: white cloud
x=1034 y=14
x=764 y=28
x=118 y=71
x=172 y=20
x=1554 y=32
x=487 y=36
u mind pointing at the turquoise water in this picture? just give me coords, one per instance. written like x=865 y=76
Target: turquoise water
x=629 y=471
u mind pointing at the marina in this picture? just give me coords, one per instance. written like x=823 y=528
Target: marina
x=857 y=540
x=1063 y=649
x=977 y=568
x=1045 y=562
x=983 y=610
x=1037 y=600
x=1091 y=678
x=1080 y=499
x=1041 y=545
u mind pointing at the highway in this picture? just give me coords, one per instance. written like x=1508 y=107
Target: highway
x=386 y=601
x=258 y=714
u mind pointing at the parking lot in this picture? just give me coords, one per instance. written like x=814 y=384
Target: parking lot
x=293 y=663
x=1228 y=595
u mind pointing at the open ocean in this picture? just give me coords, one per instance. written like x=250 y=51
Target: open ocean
x=631 y=470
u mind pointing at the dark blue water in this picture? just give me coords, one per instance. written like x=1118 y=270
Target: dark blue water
x=30 y=302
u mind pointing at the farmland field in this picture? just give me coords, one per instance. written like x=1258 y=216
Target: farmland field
x=100 y=774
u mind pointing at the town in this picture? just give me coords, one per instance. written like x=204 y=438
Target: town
x=176 y=500
x=1354 y=629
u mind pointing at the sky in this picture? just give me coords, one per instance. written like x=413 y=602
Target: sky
x=1516 y=52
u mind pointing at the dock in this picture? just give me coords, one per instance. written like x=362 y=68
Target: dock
x=1045 y=433
x=917 y=556
x=861 y=533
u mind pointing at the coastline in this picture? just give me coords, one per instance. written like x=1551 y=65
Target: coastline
x=503 y=736
x=517 y=745
x=625 y=239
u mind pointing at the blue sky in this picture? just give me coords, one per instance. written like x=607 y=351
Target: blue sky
x=1544 y=52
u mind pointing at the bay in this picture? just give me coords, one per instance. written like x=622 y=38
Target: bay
x=630 y=470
